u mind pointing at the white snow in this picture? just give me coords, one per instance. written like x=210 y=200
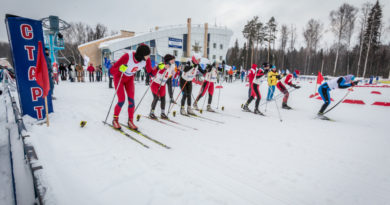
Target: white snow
x=246 y=160
x=6 y=192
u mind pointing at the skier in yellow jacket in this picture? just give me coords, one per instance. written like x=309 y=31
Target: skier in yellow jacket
x=272 y=80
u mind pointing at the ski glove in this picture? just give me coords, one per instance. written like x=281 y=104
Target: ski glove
x=355 y=82
x=123 y=68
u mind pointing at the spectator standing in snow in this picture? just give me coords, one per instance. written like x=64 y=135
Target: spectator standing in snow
x=62 y=71
x=71 y=71
x=80 y=73
x=91 y=70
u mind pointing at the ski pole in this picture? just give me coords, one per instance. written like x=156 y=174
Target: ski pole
x=170 y=108
x=204 y=100
x=280 y=95
x=272 y=93
x=280 y=116
x=147 y=89
x=116 y=90
x=342 y=99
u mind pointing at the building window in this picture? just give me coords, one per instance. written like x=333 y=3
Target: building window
x=175 y=53
x=220 y=58
x=221 y=46
x=214 y=57
x=214 y=45
x=153 y=50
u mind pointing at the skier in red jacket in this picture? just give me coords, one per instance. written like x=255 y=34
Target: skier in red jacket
x=281 y=85
x=254 y=77
x=161 y=74
x=123 y=72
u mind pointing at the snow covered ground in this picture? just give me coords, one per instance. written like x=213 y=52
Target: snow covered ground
x=247 y=160
x=6 y=191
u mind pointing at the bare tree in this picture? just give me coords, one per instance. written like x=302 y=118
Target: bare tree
x=283 y=41
x=293 y=37
x=312 y=35
x=339 y=23
x=349 y=32
x=363 y=20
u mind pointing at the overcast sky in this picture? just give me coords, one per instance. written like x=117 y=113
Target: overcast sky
x=140 y=16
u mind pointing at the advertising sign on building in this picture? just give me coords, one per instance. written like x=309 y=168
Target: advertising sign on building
x=23 y=35
x=175 y=42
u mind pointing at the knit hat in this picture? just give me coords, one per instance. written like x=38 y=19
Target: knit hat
x=297 y=72
x=168 y=58
x=349 y=78
x=265 y=64
x=142 y=51
x=254 y=66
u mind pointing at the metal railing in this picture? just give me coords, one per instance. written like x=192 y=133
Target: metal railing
x=29 y=154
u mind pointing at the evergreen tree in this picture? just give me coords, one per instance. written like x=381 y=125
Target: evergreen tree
x=372 y=33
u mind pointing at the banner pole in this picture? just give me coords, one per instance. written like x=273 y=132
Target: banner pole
x=47 y=112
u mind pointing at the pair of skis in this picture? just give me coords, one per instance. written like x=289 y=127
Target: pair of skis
x=138 y=133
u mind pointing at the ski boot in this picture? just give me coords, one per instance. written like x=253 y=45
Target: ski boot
x=285 y=106
x=195 y=105
x=182 y=111
x=321 y=116
x=246 y=108
x=190 y=111
x=115 y=123
x=164 y=116
x=151 y=115
x=209 y=109
x=132 y=125
x=257 y=111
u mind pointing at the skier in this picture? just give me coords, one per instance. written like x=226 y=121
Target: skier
x=254 y=76
x=188 y=74
x=211 y=74
x=161 y=74
x=281 y=85
x=339 y=82
x=123 y=73
x=272 y=80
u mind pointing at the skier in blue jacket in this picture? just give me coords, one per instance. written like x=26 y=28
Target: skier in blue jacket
x=339 y=82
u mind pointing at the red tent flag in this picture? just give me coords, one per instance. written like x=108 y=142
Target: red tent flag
x=319 y=78
x=42 y=73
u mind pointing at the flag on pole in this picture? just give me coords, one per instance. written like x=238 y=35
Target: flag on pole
x=319 y=78
x=42 y=73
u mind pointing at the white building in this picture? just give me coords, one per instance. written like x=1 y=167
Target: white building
x=211 y=42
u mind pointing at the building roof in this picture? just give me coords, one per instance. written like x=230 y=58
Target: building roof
x=120 y=43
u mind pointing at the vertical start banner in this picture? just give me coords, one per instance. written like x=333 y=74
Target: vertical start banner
x=23 y=36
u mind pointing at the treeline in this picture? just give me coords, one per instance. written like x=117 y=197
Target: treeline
x=80 y=33
x=369 y=56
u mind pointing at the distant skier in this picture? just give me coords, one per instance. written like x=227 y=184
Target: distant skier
x=254 y=77
x=282 y=84
x=339 y=82
x=210 y=78
x=123 y=72
x=161 y=74
x=189 y=71
x=272 y=80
